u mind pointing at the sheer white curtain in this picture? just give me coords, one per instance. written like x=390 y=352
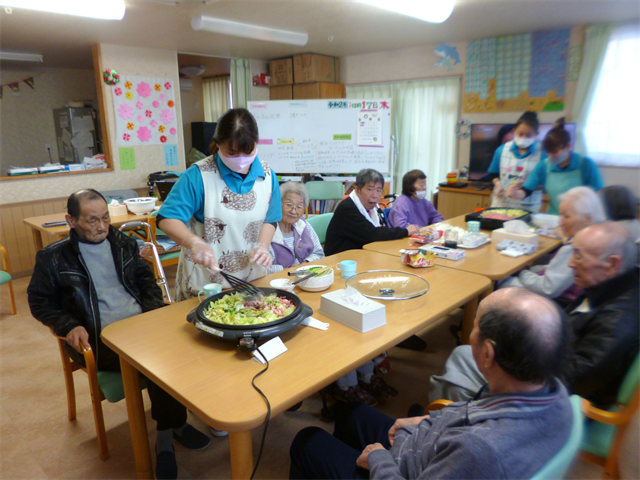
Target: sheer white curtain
x=424 y=114
x=216 y=97
x=240 y=82
x=611 y=120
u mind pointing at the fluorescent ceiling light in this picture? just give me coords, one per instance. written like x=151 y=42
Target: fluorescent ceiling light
x=192 y=70
x=103 y=9
x=245 y=30
x=21 y=57
x=434 y=11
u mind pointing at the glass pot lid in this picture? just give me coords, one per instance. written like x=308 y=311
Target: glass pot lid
x=388 y=284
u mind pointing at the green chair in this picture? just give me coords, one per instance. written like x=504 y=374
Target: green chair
x=320 y=223
x=102 y=385
x=324 y=190
x=604 y=434
x=560 y=463
x=5 y=277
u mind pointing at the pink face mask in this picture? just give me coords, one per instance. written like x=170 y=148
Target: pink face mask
x=238 y=164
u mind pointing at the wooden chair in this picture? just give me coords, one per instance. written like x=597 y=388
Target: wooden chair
x=5 y=277
x=102 y=385
x=561 y=461
x=604 y=434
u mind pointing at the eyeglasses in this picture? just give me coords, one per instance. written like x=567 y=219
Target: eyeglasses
x=291 y=206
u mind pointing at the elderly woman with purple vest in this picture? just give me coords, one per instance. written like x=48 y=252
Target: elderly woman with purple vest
x=295 y=241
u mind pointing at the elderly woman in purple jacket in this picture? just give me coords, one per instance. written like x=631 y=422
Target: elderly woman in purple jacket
x=412 y=207
x=295 y=241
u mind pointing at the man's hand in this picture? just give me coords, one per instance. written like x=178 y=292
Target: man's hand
x=78 y=338
x=413 y=230
x=403 y=422
x=362 y=461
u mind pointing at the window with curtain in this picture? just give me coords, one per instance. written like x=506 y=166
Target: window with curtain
x=423 y=118
x=216 y=97
x=612 y=120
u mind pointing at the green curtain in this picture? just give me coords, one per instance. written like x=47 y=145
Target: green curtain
x=593 y=53
x=240 y=82
x=423 y=118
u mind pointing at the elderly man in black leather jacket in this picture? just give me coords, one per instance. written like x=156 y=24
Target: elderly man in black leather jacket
x=95 y=277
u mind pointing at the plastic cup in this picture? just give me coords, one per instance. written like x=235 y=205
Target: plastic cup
x=451 y=239
x=473 y=226
x=209 y=289
x=347 y=268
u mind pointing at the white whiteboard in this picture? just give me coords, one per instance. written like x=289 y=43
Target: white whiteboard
x=323 y=136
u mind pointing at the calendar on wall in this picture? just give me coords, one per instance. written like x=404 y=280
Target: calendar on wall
x=517 y=72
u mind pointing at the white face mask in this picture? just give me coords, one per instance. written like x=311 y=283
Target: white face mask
x=238 y=164
x=421 y=194
x=524 y=142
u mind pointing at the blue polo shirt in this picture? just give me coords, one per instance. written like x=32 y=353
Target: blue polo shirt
x=186 y=198
x=589 y=174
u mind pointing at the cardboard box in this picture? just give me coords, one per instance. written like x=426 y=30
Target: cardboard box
x=310 y=68
x=444 y=252
x=283 y=92
x=281 y=72
x=318 y=90
x=362 y=318
x=500 y=234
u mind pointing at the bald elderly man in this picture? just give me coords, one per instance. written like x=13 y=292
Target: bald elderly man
x=604 y=321
x=510 y=430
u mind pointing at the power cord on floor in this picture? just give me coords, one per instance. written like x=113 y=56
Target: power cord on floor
x=266 y=423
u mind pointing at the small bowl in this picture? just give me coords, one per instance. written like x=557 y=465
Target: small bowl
x=283 y=284
x=316 y=284
x=141 y=205
x=545 y=220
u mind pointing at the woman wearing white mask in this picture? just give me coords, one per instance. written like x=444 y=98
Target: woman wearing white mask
x=513 y=162
x=224 y=209
x=560 y=171
x=412 y=207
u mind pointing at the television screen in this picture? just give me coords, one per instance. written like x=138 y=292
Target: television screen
x=487 y=137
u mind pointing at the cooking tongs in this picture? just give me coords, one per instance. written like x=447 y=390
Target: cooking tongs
x=243 y=287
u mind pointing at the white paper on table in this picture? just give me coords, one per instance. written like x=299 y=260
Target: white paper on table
x=270 y=350
x=509 y=252
x=315 y=323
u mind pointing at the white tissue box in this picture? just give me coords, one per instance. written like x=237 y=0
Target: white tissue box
x=117 y=210
x=362 y=318
x=502 y=234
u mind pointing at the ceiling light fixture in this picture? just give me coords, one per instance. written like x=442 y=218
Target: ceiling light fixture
x=245 y=30
x=103 y=9
x=192 y=70
x=434 y=11
x=21 y=57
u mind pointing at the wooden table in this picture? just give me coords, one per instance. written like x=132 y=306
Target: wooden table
x=60 y=232
x=213 y=379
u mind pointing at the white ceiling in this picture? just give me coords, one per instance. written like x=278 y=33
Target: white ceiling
x=356 y=28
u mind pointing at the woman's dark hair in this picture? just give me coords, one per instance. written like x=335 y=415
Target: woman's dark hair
x=239 y=128
x=504 y=130
x=619 y=202
x=557 y=138
x=409 y=179
x=530 y=119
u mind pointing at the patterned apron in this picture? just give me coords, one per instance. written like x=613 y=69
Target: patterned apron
x=514 y=170
x=232 y=223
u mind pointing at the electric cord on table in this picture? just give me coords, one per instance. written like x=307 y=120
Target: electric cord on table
x=266 y=423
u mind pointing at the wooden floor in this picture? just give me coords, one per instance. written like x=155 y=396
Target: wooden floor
x=37 y=441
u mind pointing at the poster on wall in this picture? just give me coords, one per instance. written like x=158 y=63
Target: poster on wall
x=517 y=72
x=145 y=111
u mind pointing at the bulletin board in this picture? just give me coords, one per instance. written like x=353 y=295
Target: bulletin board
x=513 y=73
x=324 y=136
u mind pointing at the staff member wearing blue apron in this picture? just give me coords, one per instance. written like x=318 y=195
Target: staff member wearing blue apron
x=560 y=171
x=512 y=164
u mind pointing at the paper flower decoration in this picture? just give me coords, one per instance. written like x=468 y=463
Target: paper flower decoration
x=130 y=126
x=148 y=113
x=167 y=85
x=129 y=95
x=163 y=139
x=139 y=105
x=125 y=111
x=144 y=134
x=143 y=89
x=157 y=87
x=170 y=103
x=110 y=77
x=161 y=128
x=166 y=115
x=117 y=92
x=156 y=104
x=126 y=137
x=128 y=85
x=153 y=123
x=173 y=131
x=140 y=118
x=163 y=97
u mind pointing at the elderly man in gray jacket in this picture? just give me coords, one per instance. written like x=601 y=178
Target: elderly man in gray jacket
x=510 y=430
